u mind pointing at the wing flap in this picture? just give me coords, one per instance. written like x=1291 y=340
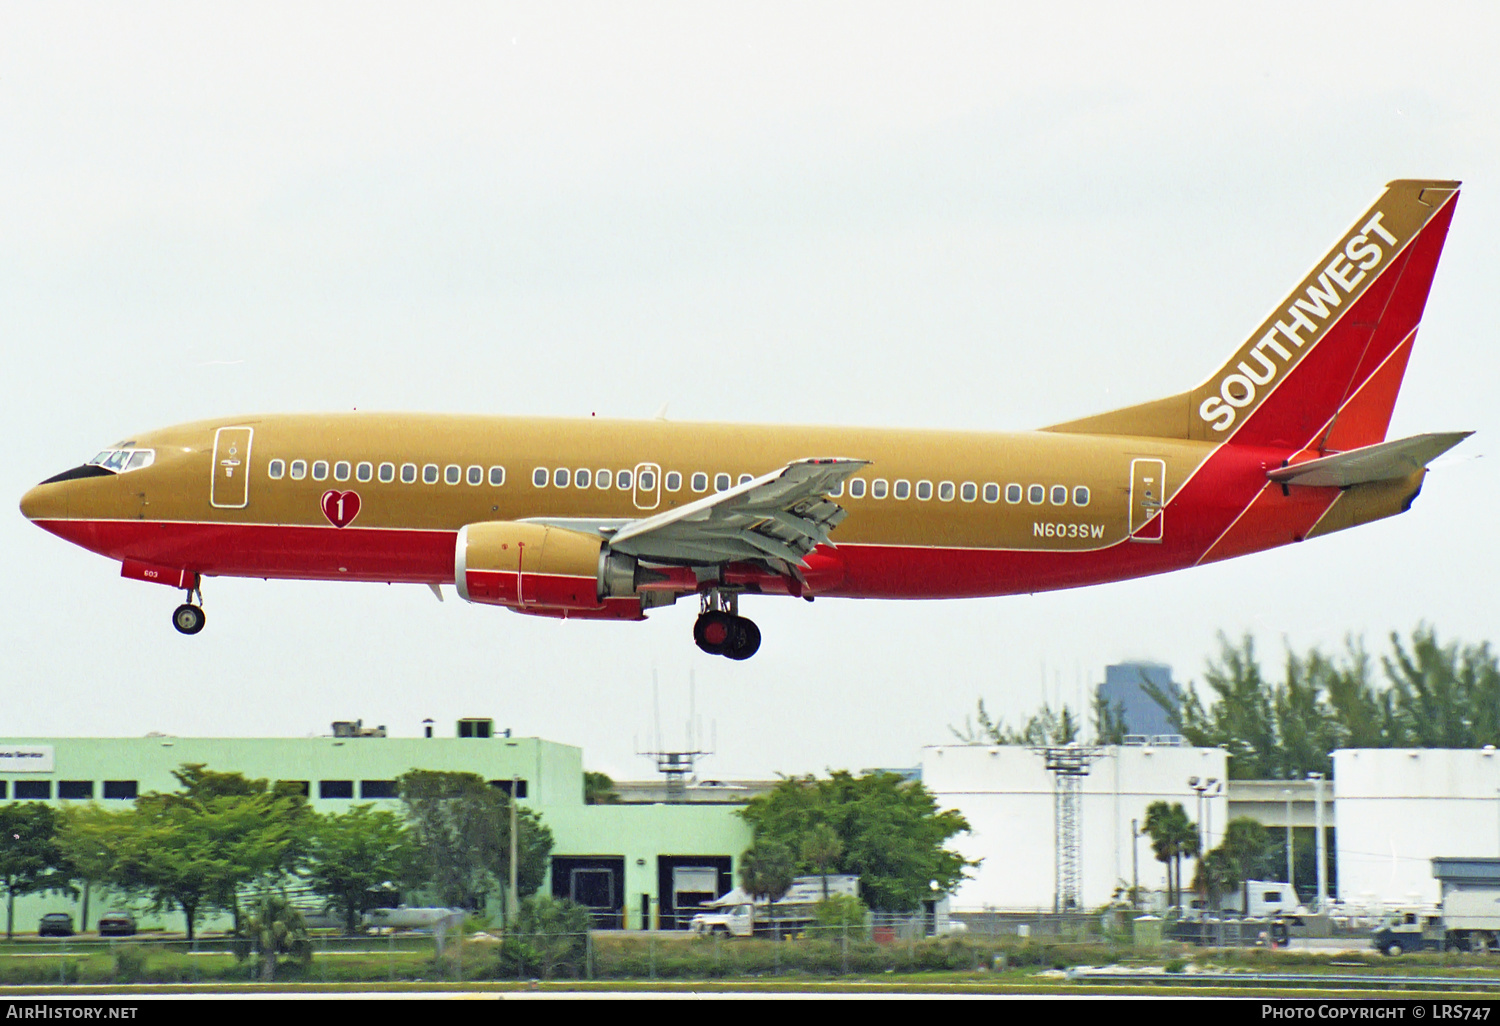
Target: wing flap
x=1384 y=461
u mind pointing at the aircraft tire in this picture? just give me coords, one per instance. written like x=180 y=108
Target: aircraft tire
x=746 y=641
x=188 y=618
x=715 y=632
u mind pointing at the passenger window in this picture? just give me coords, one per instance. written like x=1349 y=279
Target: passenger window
x=674 y=481
x=857 y=488
x=879 y=489
x=648 y=481
x=364 y=471
x=924 y=490
x=622 y=480
x=903 y=489
x=836 y=490
x=1059 y=495
x=602 y=478
x=475 y=476
x=700 y=482
x=539 y=477
x=341 y=471
x=387 y=473
x=1012 y=493
x=1080 y=496
x=276 y=468
x=945 y=491
x=430 y=473
x=746 y=478
x=968 y=491
x=582 y=478
x=299 y=469
x=560 y=477
x=453 y=473
x=721 y=482
x=320 y=470
x=1036 y=495
x=991 y=492
x=408 y=473
x=497 y=476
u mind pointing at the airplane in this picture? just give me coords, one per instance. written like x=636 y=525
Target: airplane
x=608 y=519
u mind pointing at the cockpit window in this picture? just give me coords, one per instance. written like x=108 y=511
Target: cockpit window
x=118 y=461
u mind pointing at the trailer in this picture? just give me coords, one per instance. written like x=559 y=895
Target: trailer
x=1467 y=919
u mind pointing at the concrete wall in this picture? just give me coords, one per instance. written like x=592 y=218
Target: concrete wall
x=1397 y=808
x=1006 y=794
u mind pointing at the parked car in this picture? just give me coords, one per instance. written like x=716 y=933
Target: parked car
x=55 y=924
x=117 y=924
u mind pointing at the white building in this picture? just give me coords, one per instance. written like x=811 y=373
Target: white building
x=1395 y=809
x=1006 y=794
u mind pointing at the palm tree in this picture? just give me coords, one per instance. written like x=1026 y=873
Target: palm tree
x=767 y=867
x=1173 y=838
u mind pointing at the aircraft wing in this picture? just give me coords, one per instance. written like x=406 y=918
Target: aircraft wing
x=782 y=515
x=1381 y=462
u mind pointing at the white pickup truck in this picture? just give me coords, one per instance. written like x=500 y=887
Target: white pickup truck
x=736 y=914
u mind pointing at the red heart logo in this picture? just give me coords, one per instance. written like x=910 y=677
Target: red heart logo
x=340 y=507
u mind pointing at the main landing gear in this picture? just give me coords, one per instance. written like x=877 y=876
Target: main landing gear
x=720 y=630
x=188 y=618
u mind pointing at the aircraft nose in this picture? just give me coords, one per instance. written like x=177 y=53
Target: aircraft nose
x=45 y=502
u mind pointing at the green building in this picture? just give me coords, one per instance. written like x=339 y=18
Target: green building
x=638 y=865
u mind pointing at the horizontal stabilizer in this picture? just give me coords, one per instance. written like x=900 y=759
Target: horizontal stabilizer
x=1383 y=462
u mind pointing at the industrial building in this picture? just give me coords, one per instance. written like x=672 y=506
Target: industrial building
x=635 y=864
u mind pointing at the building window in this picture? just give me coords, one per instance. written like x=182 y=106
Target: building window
x=122 y=789
x=1059 y=495
x=408 y=473
x=505 y=785
x=945 y=491
x=1080 y=496
x=582 y=478
x=364 y=471
x=276 y=468
x=430 y=474
x=700 y=482
x=857 y=488
x=497 y=476
x=388 y=472
x=453 y=474
x=1012 y=493
x=335 y=789
x=4 y=788
x=539 y=477
x=341 y=470
x=75 y=790
x=378 y=789
x=991 y=492
x=1036 y=495
x=476 y=475
x=33 y=790
x=299 y=469
x=476 y=728
x=903 y=489
x=674 y=481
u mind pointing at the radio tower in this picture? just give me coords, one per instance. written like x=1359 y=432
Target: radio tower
x=1068 y=764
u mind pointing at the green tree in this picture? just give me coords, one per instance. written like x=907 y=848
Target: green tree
x=1245 y=846
x=351 y=854
x=1214 y=876
x=821 y=849
x=463 y=833
x=599 y=789
x=88 y=837
x=551 y=933
x=30 y=860
x=1046 y=727
x=1173 y=838
x=767 y=867
x=1109 y=722
x=891 y=831
x=279 y=929
x=1444 y=696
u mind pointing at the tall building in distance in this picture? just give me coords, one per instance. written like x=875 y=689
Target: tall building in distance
x=1124 y=689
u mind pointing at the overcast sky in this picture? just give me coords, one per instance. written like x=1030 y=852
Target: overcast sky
x=975 y=216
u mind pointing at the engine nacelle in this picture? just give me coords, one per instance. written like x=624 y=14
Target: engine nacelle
x=510 y=564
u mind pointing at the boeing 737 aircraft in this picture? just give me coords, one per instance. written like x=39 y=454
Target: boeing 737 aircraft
x=609 y=519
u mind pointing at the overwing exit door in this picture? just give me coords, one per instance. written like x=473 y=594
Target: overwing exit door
x=1148 y=490
x=231 y=481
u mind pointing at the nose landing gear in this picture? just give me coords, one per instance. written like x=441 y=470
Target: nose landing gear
x=188 y=618
x=720 y=630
